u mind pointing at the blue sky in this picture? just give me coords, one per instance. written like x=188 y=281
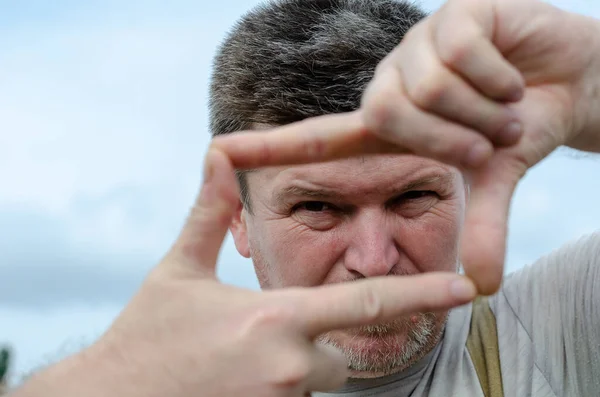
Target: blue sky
x=103 y=129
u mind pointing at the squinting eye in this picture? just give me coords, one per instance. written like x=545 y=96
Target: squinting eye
x=314 y=206
x=416 y=194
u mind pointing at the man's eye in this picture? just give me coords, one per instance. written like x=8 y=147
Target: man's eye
x=416 y=194
x=313 y=206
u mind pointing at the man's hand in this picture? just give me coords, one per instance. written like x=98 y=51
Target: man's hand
x=480 y=73
x=489 y=86
x=185 y=334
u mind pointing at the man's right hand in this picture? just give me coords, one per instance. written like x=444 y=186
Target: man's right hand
x=185 y=334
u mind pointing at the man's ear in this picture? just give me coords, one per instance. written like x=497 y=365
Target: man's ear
x=239 y=230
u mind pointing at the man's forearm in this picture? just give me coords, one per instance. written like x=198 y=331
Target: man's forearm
x=70 y=377
x=90 y=373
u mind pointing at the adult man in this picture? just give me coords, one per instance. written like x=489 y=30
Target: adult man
x=185 y=334
x=346 y=220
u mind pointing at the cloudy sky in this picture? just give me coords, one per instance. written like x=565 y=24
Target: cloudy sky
x=102 y=135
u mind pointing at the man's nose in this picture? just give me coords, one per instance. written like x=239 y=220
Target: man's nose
x=372 y=249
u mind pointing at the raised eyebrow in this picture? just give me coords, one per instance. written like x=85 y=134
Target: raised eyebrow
x=297 y=191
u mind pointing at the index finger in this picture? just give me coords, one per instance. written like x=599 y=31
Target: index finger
x=381 y=299
x=316 y=139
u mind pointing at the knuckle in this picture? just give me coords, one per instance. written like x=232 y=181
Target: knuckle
x=293 y=370
x=213 y=217
x=457 y=47
x=221 y=215
x=370 y=304
x=450 y=151
x=429 y=92
x=265 y=153
x=380 y=109
x=385 y=64
x=493 y=125
x=267 y=317
x=313 y=146
x=441 y=147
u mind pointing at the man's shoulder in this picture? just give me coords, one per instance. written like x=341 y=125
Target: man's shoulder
x=552 y=279
x=577 y=254
x=538 y=315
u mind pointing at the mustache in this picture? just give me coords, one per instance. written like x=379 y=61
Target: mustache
x=404 y=324
x=395 y=271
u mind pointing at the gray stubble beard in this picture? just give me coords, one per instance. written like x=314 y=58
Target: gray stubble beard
x=422 y=336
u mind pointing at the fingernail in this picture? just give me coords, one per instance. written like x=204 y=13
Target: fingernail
x=463 y=289
x=516 y=94
x=208 y=167
x=511 y=133
x=207 y=191
x=478 y=154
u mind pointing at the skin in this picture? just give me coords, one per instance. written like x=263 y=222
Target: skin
x=346 y=220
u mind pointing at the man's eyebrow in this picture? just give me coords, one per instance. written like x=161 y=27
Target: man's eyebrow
x=295 y=191
x=437 y=179
x=298 y=191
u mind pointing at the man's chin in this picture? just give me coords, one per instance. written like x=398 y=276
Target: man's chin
x=380 y=350
x=368 y=349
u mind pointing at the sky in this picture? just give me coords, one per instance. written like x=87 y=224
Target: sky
x=103 y=130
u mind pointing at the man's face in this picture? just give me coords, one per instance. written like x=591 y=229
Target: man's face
x=350 y=219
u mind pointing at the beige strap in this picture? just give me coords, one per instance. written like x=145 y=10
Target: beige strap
x=482 y=345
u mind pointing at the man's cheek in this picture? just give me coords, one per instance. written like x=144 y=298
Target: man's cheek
x=433 y=246
x=304 y=259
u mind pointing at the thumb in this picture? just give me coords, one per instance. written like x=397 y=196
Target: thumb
x=199 y=243
x=483 y=241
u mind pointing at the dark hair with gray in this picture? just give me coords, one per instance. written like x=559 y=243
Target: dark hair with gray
x=287 y=60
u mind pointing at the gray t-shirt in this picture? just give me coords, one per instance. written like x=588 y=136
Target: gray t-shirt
x=548 y=323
